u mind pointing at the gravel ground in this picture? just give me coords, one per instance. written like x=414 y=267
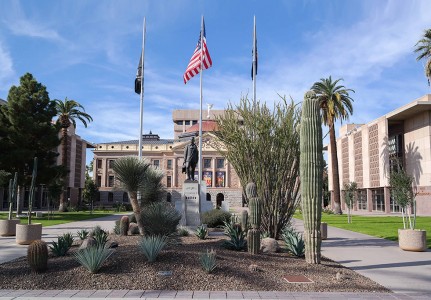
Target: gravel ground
x=127 y=268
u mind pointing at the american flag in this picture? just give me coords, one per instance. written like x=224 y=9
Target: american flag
x=194 y=66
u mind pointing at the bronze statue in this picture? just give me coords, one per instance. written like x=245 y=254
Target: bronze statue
x=191 y=157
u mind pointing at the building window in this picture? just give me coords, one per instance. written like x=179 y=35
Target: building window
x=362 y=200
x=208 y=178
x=219 y=200
x=111 y=181
x=110 y=197
x=169 y=181
x=168 y=197
x=169 y=164
x=99 y=181
x=180 y=122
x=207 y=163
x=156 y=163
x=394 y=206
x=125 y=197
x=194 y=122
x=99 y=164
x=111 y=163
x=208 y=197
x=220 y=179
x=187 y=122
x=378 y=199
x=220 y=163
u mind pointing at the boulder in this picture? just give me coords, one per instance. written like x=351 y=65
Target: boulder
x=269 y=245
x=133 y=228
x=111 y=245
x=88 y=242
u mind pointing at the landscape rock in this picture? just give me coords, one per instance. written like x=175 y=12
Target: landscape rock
x=111 y=244
x=88 y=242
x=269 y=245
x=133 y=228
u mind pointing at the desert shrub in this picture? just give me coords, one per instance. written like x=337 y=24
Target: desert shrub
x=101 y=238
x=293 y=241
x=96 y=230
x=160 y=219
x=208 y=260
x=62 y=246
x=92 y=258
x=201 y=232
x=152 y=245
x=215 y=217
x=183 y=231
x=68 y=237
x=238 y=238
x=82 y=234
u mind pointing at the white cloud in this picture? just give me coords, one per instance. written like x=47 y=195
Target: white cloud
x=6 y=67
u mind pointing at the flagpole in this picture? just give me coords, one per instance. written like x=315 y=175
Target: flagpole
x=141 y=110
x=254 y=61
x=200 y=112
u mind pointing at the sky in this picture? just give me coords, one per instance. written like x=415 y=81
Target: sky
x=89 y=50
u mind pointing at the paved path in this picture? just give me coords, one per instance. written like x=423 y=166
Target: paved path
x=408 y=274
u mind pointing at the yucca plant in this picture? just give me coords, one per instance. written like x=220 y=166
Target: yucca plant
x=61 y=247
x=201 y=232
x=92 y=258
x=293 y=241
x=208 y=260
x=152 y=245
x=82 y=234
x=238 y=241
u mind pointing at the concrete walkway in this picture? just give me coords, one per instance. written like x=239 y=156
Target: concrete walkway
x=408 y=274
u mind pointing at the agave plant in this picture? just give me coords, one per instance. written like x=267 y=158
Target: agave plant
x=208 y=260
x=293 y=241
x=238 y=238
x=201 y=232
x=152 y=245
x=92 y=258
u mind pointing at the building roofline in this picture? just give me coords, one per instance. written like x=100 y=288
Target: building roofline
x=421 y=104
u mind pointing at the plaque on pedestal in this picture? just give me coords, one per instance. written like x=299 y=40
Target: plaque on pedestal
x=190 y=203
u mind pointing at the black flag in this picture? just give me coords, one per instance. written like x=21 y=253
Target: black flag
x=138 y=80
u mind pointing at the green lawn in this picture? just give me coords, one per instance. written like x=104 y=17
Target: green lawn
x=379 y=226
x=60 y=218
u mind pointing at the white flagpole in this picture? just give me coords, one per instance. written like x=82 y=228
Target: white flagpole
x=254 y=61
x=200 y=112
x=142 y=92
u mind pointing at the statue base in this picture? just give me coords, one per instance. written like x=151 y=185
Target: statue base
x=190 y=206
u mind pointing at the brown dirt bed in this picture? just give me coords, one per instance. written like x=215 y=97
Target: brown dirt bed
x=127 y=268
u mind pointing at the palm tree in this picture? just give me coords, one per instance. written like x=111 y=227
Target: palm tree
x=132 y=175
x=335 y=103
x=423 y=47
x=68 y=111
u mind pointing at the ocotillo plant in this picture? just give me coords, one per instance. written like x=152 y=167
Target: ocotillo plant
x=255 y=207
x=13 y=186
x=311 y=172
x=32 y=189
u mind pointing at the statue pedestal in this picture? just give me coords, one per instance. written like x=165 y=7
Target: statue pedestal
x=190 y=207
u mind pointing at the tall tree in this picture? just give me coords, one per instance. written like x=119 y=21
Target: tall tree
x=26 y=131
x=68 y=112
x=262 y=144
x=423 y=48
x=335 y=103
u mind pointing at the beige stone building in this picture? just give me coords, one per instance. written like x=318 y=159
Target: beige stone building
x=364 y=153
x=222 y=182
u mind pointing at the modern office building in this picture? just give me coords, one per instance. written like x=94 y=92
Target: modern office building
x=366 y=150
x=222 y=182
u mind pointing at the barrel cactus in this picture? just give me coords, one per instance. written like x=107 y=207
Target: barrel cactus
x=255 y=207
x=124 y=225
x=37 y=256
x=311 y=172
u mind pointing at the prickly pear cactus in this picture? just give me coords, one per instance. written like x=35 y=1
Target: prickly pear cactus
x=124 y=225
x=311 y=173
x=255 y=208
x=37 y=256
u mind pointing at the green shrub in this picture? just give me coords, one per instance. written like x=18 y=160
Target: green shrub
x=61 y=247
x=92 y=258
x=208 y=260
x=238 y=237
x=215 y=217
x=152 y=245
x=160 y=219
x=101 y=238
x=82 y=234
x=183 y=231
x=68 y=238
x=201 y=232
x=293 y=241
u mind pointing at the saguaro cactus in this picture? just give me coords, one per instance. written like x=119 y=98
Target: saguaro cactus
x=37 y=256
x=244 y=220
x=13 y=186
x=311 y=172
x=255 y=207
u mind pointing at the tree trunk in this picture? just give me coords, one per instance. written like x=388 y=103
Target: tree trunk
x=137 y=211
x=62 y=206
x=19 y=203
x=335 y=174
